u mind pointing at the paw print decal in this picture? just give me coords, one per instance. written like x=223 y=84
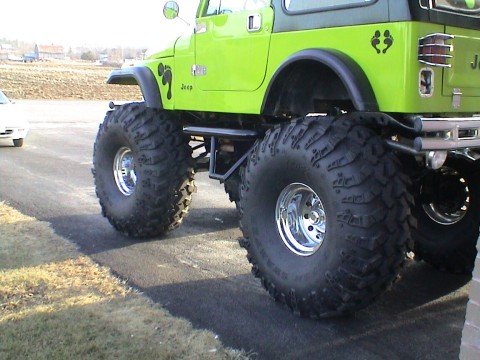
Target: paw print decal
x=387 y=41
x=165 y=72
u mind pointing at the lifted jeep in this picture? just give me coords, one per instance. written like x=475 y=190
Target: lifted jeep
x=345 y=131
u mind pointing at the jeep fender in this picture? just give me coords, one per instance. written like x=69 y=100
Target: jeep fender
x=344 y=68
x=143 y=77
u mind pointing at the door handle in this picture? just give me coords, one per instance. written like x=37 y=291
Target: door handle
x=254 y=22
x=200 y=28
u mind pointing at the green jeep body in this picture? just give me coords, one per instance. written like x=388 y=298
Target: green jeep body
x=328 y=54
x=347 y=132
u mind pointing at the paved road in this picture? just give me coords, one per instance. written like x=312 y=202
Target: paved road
x=199 y=272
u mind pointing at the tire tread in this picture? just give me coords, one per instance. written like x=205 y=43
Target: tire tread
x=165 y=162
x=371 y=263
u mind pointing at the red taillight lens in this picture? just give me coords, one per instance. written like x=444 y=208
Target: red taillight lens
x=433 y=50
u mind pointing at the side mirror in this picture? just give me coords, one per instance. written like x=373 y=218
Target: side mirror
x=171 y=10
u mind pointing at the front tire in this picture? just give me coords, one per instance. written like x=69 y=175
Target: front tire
x=342 y=238
x=18 y=142
x=232 y=186
x=143 y=170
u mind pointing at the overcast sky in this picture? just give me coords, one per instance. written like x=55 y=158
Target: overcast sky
x=111 y=23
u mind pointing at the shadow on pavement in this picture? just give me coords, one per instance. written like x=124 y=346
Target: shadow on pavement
x=244 y=316
x=94 y=234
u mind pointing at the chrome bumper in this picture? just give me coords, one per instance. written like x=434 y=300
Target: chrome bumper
x=446 y=133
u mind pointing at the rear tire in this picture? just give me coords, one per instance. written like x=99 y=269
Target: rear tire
x=18 y=142
x=143 y=170
x=447 y=235
x=364 y=218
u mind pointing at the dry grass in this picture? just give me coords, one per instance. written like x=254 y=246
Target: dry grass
x=61 y=80
x=57 y=304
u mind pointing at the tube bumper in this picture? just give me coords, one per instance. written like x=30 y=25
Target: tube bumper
x=446 y=133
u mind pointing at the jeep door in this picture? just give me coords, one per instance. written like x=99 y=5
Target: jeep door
x=232 y=40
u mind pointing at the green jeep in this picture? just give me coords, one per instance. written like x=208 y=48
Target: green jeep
x=345 y=131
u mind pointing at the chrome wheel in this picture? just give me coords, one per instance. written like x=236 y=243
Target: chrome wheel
x=444 y=218
x=301 y=219
x=448 y=197
x=124 y=171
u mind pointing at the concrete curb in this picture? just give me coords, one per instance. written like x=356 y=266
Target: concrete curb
x=471 y=332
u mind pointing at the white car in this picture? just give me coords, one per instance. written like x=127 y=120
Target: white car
x=12 y=123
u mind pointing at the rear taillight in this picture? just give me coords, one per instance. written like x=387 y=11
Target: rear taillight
x=433 y=50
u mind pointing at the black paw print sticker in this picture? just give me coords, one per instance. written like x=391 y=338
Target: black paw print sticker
x=387 y=41
x=165 y=72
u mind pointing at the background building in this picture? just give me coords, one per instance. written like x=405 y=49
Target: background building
x=49 y=52
x=5 y=51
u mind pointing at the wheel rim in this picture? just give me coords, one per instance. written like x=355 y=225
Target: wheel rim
x=124 y=171
x=301 y=220
x=452 y=201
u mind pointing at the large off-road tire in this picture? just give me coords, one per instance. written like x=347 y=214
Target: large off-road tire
x=325 y=215
x=143 y=170
x=447 y=208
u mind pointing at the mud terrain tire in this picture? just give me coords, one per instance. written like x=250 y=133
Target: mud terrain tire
x=449 y=247
x=163 y=168
x=367 y=208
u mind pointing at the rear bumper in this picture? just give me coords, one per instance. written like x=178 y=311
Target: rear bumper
x=446 y=133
